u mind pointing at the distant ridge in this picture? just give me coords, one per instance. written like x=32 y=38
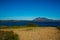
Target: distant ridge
x=38 y=19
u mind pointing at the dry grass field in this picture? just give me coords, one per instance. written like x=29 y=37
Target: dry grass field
x=36 y=33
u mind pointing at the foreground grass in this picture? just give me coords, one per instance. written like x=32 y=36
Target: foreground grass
x=35 y=33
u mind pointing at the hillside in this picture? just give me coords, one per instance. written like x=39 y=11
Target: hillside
x=36 y=33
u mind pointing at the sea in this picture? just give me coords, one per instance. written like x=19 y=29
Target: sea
x=25 y=23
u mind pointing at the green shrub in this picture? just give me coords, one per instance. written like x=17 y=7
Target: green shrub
x=31 y=25
x=8 y=35
x=58 y=27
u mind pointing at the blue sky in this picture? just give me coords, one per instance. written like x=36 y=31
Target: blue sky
x=29 y=9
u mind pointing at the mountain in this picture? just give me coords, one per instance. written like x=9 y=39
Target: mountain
x=39 y=19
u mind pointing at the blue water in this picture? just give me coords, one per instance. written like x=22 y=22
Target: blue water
x=48 y=23
x=25 y=23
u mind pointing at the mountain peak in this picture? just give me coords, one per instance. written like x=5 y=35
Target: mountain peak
x=42 y=19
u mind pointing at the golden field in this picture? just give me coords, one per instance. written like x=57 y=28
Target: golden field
x=36 y=33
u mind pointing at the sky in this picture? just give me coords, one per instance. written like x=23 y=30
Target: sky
x=29 y=9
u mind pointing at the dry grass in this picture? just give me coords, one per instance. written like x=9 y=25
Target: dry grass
x=37 y=33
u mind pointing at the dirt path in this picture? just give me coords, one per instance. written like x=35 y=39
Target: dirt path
x=37 y=33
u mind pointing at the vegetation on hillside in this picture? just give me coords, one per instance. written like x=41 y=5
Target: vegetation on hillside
x=31 y=25
x=58 y=27
x=8 y=35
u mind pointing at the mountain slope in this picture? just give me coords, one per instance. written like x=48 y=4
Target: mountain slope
x=39 y=19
